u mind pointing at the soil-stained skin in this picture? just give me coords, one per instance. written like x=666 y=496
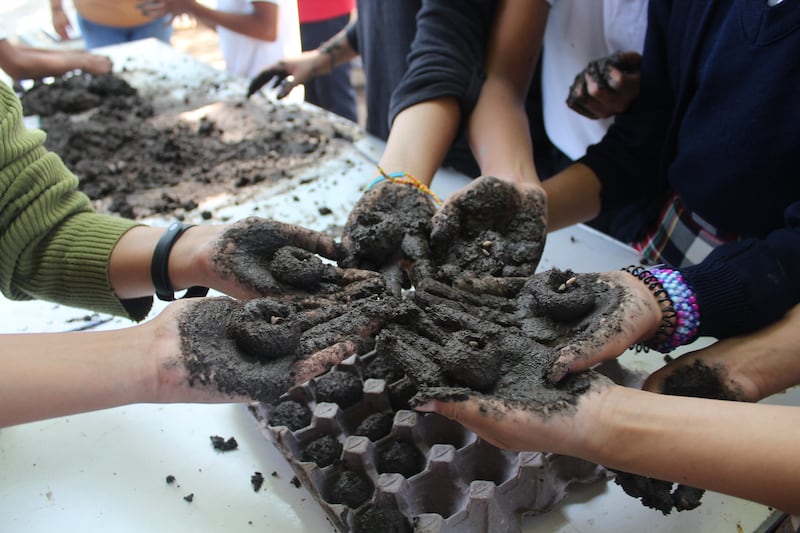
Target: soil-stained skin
x=493 y=230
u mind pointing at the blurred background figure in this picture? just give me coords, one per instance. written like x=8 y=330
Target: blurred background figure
x=319 y=21
x=107 y=22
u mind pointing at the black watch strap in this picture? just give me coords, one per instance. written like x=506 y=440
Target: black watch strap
x=159 y=266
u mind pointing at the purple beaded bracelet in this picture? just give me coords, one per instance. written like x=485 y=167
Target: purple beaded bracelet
x=680 y=313
x=687 y=312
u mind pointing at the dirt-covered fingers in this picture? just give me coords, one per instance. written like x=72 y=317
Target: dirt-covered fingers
x=375 y=230
x=277 y=74
x=496 y=421
x=623 y=313
x=319 y=362
x=491 y=228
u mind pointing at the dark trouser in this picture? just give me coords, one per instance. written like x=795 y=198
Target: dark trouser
x=333 y=91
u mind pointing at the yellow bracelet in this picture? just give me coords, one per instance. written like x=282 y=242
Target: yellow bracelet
x=406 y=178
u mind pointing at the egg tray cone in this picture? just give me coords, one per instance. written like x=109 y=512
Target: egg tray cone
x=460 y=483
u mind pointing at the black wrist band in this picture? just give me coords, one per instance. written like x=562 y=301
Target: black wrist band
x=159 y=266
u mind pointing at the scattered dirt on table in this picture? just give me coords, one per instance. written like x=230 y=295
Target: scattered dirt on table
x=257 y=480
x=222 y=444
x=136 y=161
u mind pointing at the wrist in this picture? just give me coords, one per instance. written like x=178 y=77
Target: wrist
x=680 y=314
x=188 y=258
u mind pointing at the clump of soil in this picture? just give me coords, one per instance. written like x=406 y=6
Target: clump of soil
x=375 y=426
x=291 y=414
x=697 y=380
x=701 y=381
x=136 y=161
x=382 y=367
x=657 y=494
x=351 y=489
x=342 y=388
x=223 y=445
x=401 y=457
x=381 y=520
x=257 y=480
x=324 y=451
x=400 y=394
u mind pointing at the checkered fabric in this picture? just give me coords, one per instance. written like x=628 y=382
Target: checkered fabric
x=680 y=238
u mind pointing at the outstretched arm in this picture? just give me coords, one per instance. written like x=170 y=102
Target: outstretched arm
x=261 y=23
x=498 y=127
x=693 y=441
x=290 y=72
x=23 y=62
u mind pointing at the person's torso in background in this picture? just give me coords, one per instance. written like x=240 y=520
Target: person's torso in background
x=317 y=10
x=114 y=13
x=246 y=56
x=579 y=31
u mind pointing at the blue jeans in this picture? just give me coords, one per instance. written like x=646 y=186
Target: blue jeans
x=97 y=35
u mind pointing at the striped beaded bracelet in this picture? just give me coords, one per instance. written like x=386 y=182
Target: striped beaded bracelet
x=687 y=319
x=680 y=313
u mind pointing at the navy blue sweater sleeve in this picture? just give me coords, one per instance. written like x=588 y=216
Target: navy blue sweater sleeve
x=745 y=285
x=447 y=55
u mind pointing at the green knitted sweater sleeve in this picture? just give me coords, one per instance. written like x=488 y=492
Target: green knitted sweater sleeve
x=55 y=247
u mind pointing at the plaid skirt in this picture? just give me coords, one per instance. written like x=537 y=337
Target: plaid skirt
x=680 y=238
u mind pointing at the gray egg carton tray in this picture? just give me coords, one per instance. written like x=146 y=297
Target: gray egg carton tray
x=466 y=484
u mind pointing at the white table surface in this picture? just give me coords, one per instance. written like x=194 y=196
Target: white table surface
x=106 y=471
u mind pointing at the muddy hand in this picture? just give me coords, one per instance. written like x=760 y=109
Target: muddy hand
x=511 y=426
x=623 y=313
x=607 y=86
x=268 y=257
x=285 y=347
x=243 y=351
x=747 y=368
x=389 y=226
x=277 y=75
x=489 y=228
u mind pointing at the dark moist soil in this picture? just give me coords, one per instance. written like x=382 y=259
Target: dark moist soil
x=324 y=451
x=342 y=388
x=257 y=480
x=223 y=445
x=381 y=520
x=382 y=367
x=375 y=426
x=401 y=457
x=291 y=414
x=136 y=160
x=350 y=488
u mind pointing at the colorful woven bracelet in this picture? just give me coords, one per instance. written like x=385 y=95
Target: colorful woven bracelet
x=668 y=315
x=687 y=320
x=680 y=313
x=407 y=179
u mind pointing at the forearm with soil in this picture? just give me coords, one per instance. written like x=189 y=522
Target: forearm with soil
x=746 y=450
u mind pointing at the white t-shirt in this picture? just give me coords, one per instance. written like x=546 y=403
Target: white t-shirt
x=579 y=31
x=246 y=56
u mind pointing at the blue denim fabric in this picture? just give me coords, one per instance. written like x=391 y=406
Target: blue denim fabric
x=97 y=35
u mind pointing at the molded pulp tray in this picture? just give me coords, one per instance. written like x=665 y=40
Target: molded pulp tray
x=463 y=483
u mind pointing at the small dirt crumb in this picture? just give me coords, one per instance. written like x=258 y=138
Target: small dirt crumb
x=275 y=474
x=170 y=479
x=223 y=445
x=324 y=210
x=257 y=479
x=296 y=482
x=189 y=497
